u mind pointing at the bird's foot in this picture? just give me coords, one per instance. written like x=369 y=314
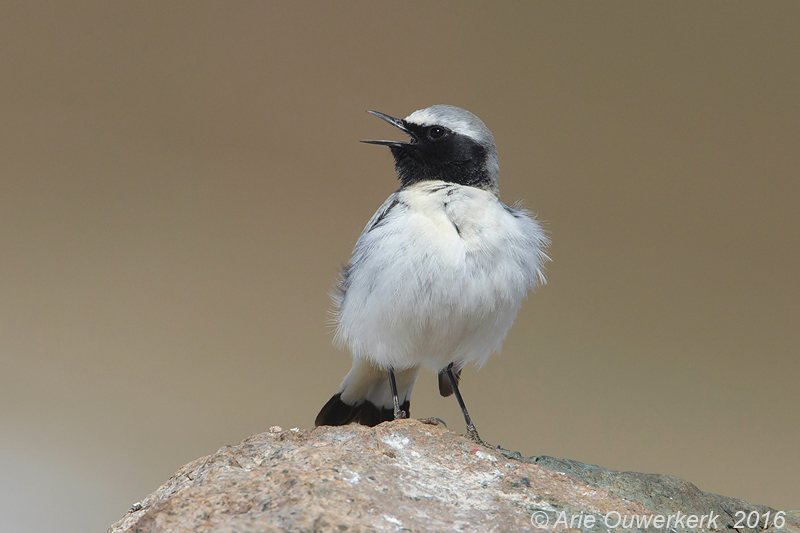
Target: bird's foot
x=399 y=413
x=433 y=421
x=472 y=433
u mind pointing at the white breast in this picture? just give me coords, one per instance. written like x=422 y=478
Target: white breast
x=437 y=277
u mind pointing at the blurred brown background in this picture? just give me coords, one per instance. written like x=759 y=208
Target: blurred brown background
x=180 y=181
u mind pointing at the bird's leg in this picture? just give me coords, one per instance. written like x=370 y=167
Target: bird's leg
x=472 y=433
x=398 y=414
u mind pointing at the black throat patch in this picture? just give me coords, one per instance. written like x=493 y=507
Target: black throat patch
x=458 y=159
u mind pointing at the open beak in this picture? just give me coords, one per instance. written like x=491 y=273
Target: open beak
x=397 y=123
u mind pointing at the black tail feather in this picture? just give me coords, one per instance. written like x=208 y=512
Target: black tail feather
x=338 y=413
x=444 y=382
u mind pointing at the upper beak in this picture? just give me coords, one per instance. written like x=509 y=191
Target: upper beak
x=397 y=123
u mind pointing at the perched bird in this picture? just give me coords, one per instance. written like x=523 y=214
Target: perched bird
x=438 y=274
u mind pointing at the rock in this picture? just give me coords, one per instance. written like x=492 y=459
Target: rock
x=412 y=476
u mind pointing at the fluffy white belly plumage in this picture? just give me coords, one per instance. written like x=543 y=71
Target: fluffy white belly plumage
x=437 y=277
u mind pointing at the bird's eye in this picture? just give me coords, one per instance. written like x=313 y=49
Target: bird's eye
x=436 y=132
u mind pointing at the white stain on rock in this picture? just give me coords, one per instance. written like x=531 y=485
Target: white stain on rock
x=392 y=520
x=396 y=442
x=350 y=476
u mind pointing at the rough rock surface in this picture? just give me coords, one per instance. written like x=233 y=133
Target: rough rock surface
x=411 y=476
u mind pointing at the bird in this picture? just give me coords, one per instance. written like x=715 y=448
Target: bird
x=437 y=275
